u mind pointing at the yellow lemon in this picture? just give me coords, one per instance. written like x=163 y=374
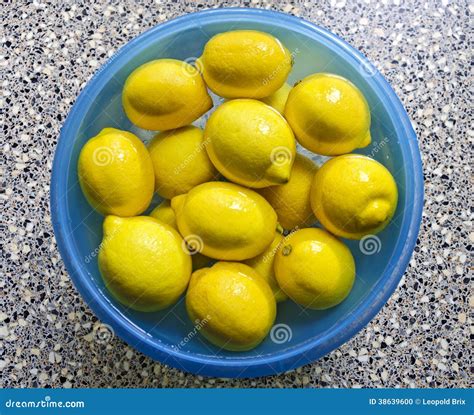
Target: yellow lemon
x=143 y=263
x=263 y=264
x=353 y=196
x=291 y=200
x=225 y=221
x=244 y=64
x=233 y=305
x=250 y=143
x=314 y=268
x=165 y=213
x=115 y=173
x=278 y=99
x=180 y=161
x=164 y=94
x=328 y=114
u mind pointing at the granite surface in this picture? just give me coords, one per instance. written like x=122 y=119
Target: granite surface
x=421 y=338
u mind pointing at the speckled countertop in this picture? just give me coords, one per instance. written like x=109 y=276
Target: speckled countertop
x=48 y=52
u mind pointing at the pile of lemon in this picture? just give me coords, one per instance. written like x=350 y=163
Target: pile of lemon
x=239 y=202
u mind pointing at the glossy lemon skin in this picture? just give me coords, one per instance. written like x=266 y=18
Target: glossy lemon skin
x=180 y=161
x=328 y=114
x=227 y=221
x=244 y=64
x=278 y=99
x=291 y=200
x=250 y=143
x=143 y=263
x=165 y=213
x=233 y=305
x=263 y=264
x=116 y=174
x=315 y=269
x=353 y=196
x=165 y=94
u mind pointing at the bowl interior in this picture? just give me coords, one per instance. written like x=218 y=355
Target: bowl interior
x=171 y=328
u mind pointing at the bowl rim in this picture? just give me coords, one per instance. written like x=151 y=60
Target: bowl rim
x=297 y=356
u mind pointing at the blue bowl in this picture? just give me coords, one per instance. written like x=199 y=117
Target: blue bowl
x=299 y=336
